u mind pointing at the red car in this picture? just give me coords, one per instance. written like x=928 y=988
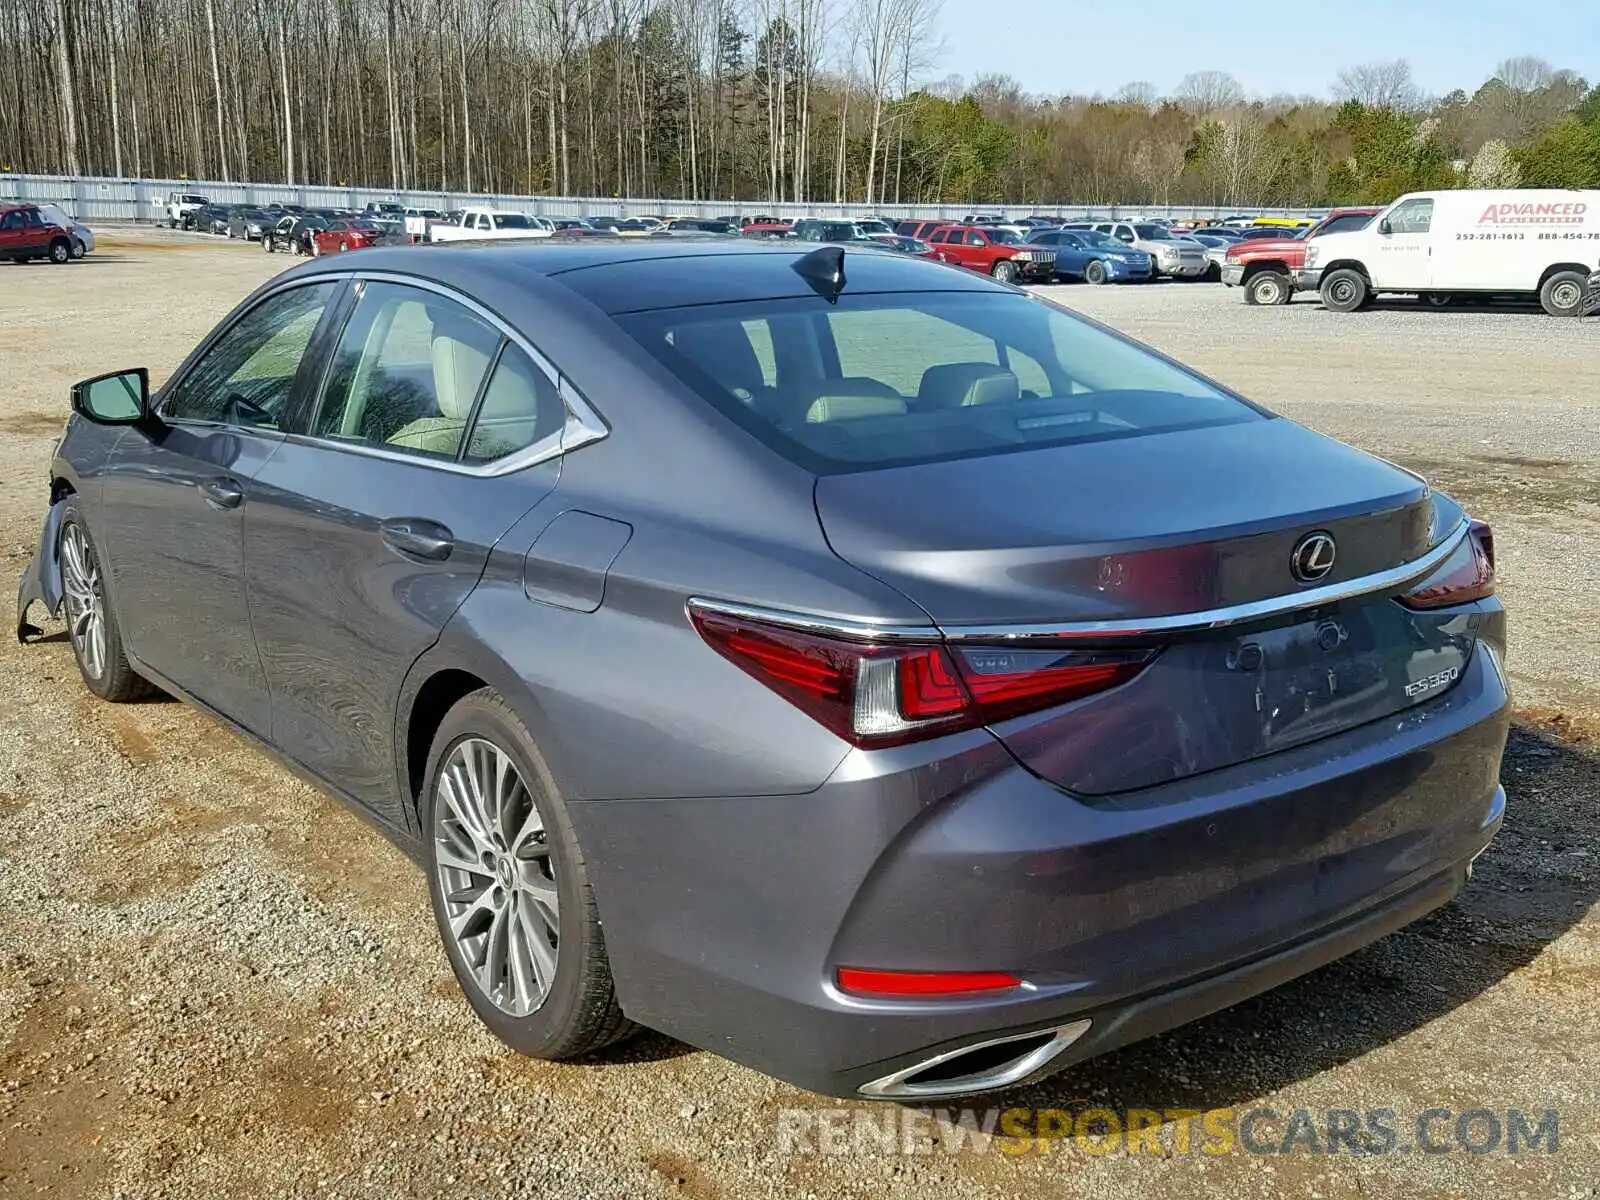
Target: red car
x=342 y=235
x=27 y=233
x=767 y=229
x=1266 y=267
x=997 y=252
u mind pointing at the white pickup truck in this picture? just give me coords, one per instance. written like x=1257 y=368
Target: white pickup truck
x=484 y=223
x=178 y=205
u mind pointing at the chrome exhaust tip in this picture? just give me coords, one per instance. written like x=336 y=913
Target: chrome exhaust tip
x=981 y=1067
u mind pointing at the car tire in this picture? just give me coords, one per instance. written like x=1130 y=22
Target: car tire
x=60 y=251
x=266 y=244
x=1438 y=299
x=1563 y=293
x=1005 y=271
x=1267 y=288
x=316 y=248
x=1094 y=271
x=91 y=618
x=528 y=850
x=1344 y=290
x=78 y=250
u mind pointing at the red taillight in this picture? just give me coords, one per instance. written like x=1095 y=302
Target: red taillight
x=862 y=982
x=885 y=695
x=1467 y=575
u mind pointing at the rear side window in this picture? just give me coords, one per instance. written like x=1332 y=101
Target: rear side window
x=892 y=379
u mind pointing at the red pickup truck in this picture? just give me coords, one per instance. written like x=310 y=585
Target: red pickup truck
x=1266 y=267
x=997 y=252
x=27 y=233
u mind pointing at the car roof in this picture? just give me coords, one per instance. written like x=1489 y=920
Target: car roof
x=620 y=275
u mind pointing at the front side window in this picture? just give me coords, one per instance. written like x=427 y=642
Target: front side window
x=246 y=376
x=894 y=379
x=1412 y=216
x=1348 y=223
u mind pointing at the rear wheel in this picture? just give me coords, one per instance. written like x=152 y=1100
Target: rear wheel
x=1562 y=294
x=91 y=623
x=1344 y=290
x=510 y=890
x=1438 y=299
x=60 y=251
x=1267 y=288
x=1095 y=272
x=1005 y=271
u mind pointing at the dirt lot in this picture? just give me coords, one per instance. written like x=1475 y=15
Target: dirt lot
x=215 y=981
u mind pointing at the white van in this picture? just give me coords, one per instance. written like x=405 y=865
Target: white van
x=1441 y=245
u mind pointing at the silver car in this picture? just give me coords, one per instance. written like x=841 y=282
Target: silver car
x=82 y=235
x=1170 y=255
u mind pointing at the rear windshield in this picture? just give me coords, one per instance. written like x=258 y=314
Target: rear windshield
x=892 y=379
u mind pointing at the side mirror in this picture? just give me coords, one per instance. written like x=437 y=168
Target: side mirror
x=1385 y=228
x=121 y=398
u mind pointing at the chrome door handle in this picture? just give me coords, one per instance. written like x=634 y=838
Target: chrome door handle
x=417 y=538
x=221 y=493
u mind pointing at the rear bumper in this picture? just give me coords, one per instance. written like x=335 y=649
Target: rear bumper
x=1308 y=280
x=726 y=918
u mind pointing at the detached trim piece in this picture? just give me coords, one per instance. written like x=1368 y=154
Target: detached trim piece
x=1124 y=627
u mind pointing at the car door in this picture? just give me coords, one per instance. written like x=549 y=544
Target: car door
x=174 y=497
x=1403 y=258
x=11 y=234
x=435 y=432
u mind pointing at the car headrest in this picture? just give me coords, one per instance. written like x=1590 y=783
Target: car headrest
x=850 y=408
x=457 y=370
x=837 y=400
x=958 y=385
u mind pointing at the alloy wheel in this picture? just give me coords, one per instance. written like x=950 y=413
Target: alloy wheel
x=496 y=876
x=86 y=613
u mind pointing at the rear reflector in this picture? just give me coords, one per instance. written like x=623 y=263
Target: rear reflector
x=1467 y=575
x=887 y=695
x=861 y=982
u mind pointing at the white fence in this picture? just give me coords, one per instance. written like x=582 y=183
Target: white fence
x=91 y=199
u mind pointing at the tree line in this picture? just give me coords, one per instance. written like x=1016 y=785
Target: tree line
x=730 y=100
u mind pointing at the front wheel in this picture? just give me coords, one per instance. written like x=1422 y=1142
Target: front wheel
x=510 y=891
x=91 y=623
x=1562 y=294
x=60 y=251
x=1005 y=271
x=1095 y=272
x=1267 y=288
x=1344 y=290
x=266 y=244
x=78 y=249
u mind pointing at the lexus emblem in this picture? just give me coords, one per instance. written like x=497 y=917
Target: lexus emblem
x=1312 y=557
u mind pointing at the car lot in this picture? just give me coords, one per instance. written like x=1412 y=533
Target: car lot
x=198 y=970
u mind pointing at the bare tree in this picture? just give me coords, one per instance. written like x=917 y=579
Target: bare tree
x=1206 y=92
x=1379 y=85
x=1139 y=94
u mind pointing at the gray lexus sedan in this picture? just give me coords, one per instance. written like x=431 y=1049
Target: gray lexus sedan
x=843 y=662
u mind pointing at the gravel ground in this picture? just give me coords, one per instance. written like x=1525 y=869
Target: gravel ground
x=213 y=979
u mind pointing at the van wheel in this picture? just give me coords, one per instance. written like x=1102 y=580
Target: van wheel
x=1267 y=288
x=1438 y=299
x=1344 y=290
x=1095 y=272
x=1562 y=294
x=1005 y=271
x=60 y=251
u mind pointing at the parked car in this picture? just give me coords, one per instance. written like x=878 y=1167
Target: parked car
x=872 y=226
x=918 y=229
x=208 y=218
x=82 y=235
x=767 y=229
x=994 y=251
x=178 y=205
x=1267 y=268
x=905 y=245
x=1216 y=249
x=27 y=233
x=721 y=751
x=349 y=233
x=490 y=224
x=704 y=225
x=1170 y=256
x=1222 y=231
x=813 y=230
x=1472 y=241
x=249 y=223
x=1094 y=257
x=293 y=232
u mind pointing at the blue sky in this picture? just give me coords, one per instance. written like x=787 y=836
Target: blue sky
x=1294 y=46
